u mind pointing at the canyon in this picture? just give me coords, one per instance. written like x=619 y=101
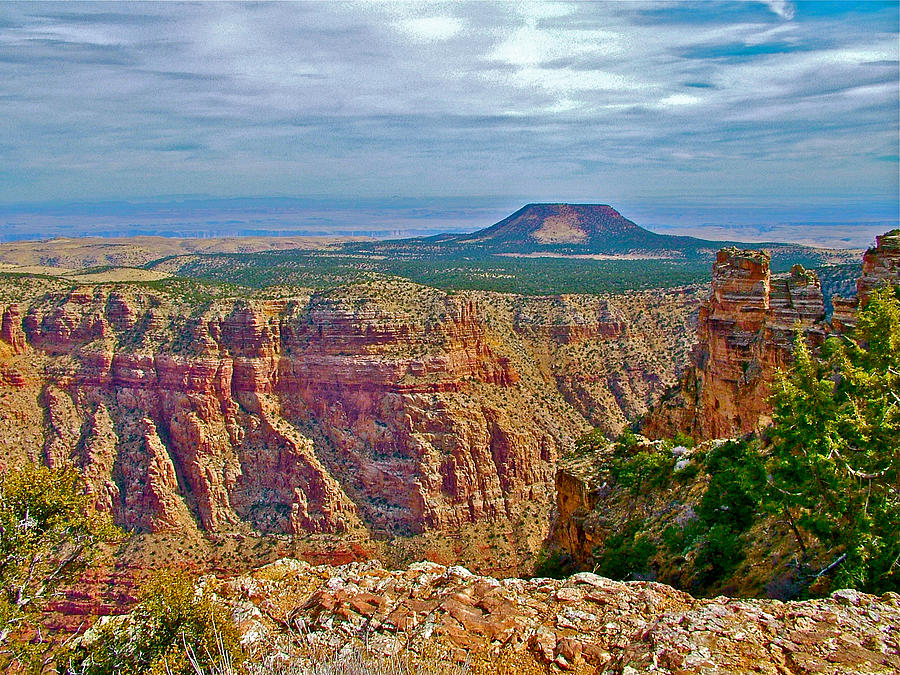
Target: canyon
x=381 y=410
x=369 y=411
x=388 y=418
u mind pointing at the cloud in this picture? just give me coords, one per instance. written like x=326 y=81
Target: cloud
x=566 y=80
x=680 y=99
x=445 y=98
x=534 y=11
x=783 y=8
x=431 y=28
x=528 y=45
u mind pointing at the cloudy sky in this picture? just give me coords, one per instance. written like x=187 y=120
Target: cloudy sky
x=725 y=103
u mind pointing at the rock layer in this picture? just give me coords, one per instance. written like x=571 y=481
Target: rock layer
x=397 y=409
x=880 y=267
x=210 y=429
x=746 y=331
x=584 y=624
x=745 y=334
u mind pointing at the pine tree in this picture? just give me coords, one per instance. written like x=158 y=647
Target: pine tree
x=836 y=449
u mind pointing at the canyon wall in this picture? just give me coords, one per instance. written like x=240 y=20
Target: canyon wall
x=233 y=417
x=391 y=408
x=746 y=329
x=745 y=333
x=607 y=357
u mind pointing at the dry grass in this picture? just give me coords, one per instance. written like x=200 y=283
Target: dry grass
x=119 y=275
x=136 y=251
x=343 y=663
x=113 y=275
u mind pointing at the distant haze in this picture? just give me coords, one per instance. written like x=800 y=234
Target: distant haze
x=389 y=218
x=837 y=225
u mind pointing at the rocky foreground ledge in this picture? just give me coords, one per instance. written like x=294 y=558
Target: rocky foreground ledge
x=585 y=623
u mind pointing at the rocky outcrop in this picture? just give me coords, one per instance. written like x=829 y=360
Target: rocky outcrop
x=583 y=624
x=12 y=342
x=880 y=267
x=843 y=319
x=577 y=498
x=11 y=329
x=745 y=334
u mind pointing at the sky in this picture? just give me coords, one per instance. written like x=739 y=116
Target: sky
x=731 y=104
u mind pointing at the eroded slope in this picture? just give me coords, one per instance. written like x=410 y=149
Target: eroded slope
x=385 y=407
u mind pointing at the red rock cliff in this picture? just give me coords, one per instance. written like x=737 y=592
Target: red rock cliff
x=745 y=333
x=393 y=408
x=292 y=416
x=881 y=265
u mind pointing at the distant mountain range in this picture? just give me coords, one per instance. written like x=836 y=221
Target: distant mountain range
x=581 y=230
x=573 y=229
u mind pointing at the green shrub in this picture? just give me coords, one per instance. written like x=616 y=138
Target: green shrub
x=554 y=564
x=172 y=621
x=626 y=554
x=648 y=468
x=835 y=462
x=719 y=552
x=736 y=487
x=683 y=439
x=680 y=539
x=49 y=531
x=591 y=442
x=688 y=473
x=710 y=545
x=626 y=443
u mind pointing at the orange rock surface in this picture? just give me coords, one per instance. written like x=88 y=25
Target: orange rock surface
x=745 y=333
x=583 y=624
